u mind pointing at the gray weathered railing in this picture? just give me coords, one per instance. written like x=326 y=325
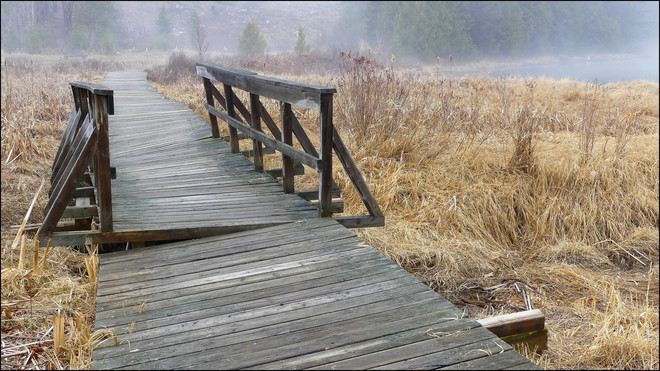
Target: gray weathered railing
x=288 y=93
x=84 y=145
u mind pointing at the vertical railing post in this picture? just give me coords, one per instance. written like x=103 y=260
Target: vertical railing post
x=231 y=111
x=325 y=152
x=256 y=125
x=215 y=131
x=287 y=138
x=102 y=171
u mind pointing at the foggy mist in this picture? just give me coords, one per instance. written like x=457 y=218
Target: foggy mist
x=603 y=41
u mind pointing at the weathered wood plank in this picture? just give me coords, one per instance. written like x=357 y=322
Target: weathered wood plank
x=67 y=138
x=68 y=156
x=325 y=172
x=233 y=134
x=304 y=95
x=103 y=106
x=287 y=138
x=208 y=90
x=290 y=151
x=80 y=212
x=73 y=170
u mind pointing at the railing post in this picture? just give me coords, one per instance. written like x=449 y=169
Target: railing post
x=102 y=171
x=215 y=131
x=325 y=152
x=231 y=111
x=287 y=138
x=256 y=124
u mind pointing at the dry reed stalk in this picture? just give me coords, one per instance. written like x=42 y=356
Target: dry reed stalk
x=35 y=260
x=43 y=260
x=21 y=259
x=58 y=332
x=27 y=215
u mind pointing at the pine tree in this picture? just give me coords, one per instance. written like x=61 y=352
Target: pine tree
x=301 y=45
x=164 y=28
x=252 y=42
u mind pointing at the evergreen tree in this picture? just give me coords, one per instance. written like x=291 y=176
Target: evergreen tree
x=163 y=29
x=301 y=45
x=97 y=31
x=252 y=42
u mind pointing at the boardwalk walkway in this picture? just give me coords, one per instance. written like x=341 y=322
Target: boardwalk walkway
x=281 y=288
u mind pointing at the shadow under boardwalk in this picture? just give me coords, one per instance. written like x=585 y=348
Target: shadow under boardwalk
x=297 y=295
x=174 y=181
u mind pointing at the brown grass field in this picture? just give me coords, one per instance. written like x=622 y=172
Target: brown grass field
x=490 y=187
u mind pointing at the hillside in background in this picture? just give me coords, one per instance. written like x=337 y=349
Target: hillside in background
x=411 y=30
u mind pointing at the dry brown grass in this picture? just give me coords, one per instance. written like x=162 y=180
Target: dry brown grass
x=551 y=184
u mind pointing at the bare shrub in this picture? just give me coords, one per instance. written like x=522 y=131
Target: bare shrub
x=178 y=66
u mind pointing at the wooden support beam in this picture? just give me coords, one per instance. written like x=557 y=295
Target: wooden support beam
x=215 y=130
x=361 y=221
x=514 y=323
x=298 y=169
x=103 y=173
x=355 y=175
x=72 y=171
x=80 y=212
x=264 y=151
x=314 y=195
x=83 y=192
x=337 y=205
x=69 y=133
x=287 y=138
x=325 y=172
x=72 y=238
x=527 y=327
x=256 y=125
x=241 y=136
x=231 y=112
x=84 y=223
x=63 y=225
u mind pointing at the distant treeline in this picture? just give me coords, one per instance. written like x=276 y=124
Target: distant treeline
x=476 y=28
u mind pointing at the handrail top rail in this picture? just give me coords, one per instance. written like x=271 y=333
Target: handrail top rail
x=93 y=88
x=301 y=94
x=309 y=88
x=97 y=89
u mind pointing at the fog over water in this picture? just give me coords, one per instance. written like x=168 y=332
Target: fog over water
x=593 y=68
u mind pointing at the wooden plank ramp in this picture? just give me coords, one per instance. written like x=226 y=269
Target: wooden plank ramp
x=297 y=295
x=174 y=181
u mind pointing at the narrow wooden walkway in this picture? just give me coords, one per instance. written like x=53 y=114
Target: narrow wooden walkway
x=173 y=181
x=285 y=290
x=299 y=295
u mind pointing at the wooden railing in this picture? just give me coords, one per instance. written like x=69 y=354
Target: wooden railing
x=288 y=93
x=84 y=146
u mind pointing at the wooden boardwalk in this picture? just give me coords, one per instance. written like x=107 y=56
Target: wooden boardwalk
x=171 y=175
x=299 y=295
x=281 y=288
